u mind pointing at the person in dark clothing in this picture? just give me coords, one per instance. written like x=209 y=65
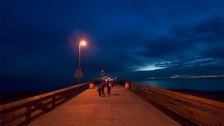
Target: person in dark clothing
x=102 y=89
x=109 y=85
x=99 y=89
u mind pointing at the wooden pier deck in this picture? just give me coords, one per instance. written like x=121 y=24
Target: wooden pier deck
x=122 y=108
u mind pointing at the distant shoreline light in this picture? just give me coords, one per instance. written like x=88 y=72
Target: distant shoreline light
x=191 y=76
x=185 y=76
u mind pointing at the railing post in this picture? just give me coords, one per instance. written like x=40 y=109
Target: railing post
x=2 y=119
x=28 y=113
x=53 y=102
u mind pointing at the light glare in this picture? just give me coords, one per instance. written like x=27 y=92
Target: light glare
x=82 y=43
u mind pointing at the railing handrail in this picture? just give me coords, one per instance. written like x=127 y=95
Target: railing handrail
x=187 y=96
x=198 y=110
x=21 y=112
x=33 y=98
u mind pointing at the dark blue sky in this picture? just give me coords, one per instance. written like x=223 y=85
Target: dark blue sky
x=130 y=38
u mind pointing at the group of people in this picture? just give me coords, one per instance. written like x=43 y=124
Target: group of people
x=101 y=87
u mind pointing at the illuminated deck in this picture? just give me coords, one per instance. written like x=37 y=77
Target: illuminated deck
x=122 y=108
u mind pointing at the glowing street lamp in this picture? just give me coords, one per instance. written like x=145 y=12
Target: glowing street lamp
x=82 y=43
x=79 y=73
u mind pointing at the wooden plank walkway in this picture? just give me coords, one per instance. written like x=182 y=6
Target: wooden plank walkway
x=122 y=108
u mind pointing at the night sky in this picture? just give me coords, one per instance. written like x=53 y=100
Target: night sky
x=130 y=39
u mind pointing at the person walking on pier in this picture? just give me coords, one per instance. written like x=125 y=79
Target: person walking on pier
x=99 y=89
x=102 y=89
x=109 y=85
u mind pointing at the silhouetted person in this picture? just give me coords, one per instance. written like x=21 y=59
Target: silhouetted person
x=109 y=85
x=99 y=89
x=102 y=89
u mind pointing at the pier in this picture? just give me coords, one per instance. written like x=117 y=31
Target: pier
x=129 y=104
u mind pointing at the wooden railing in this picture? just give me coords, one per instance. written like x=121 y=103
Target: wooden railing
x=201 y=111
x=23 y=111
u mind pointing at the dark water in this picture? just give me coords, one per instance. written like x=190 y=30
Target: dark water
x=18 y=90
x=199 y=84
x=38 y=86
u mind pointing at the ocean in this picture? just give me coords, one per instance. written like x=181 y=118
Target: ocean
x=196 y=84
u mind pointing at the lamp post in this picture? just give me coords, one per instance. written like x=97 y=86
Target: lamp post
x=79 y=73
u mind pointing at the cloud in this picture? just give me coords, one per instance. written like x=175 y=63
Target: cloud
x=125 y=36
x=182 y=42
x=189 y=63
